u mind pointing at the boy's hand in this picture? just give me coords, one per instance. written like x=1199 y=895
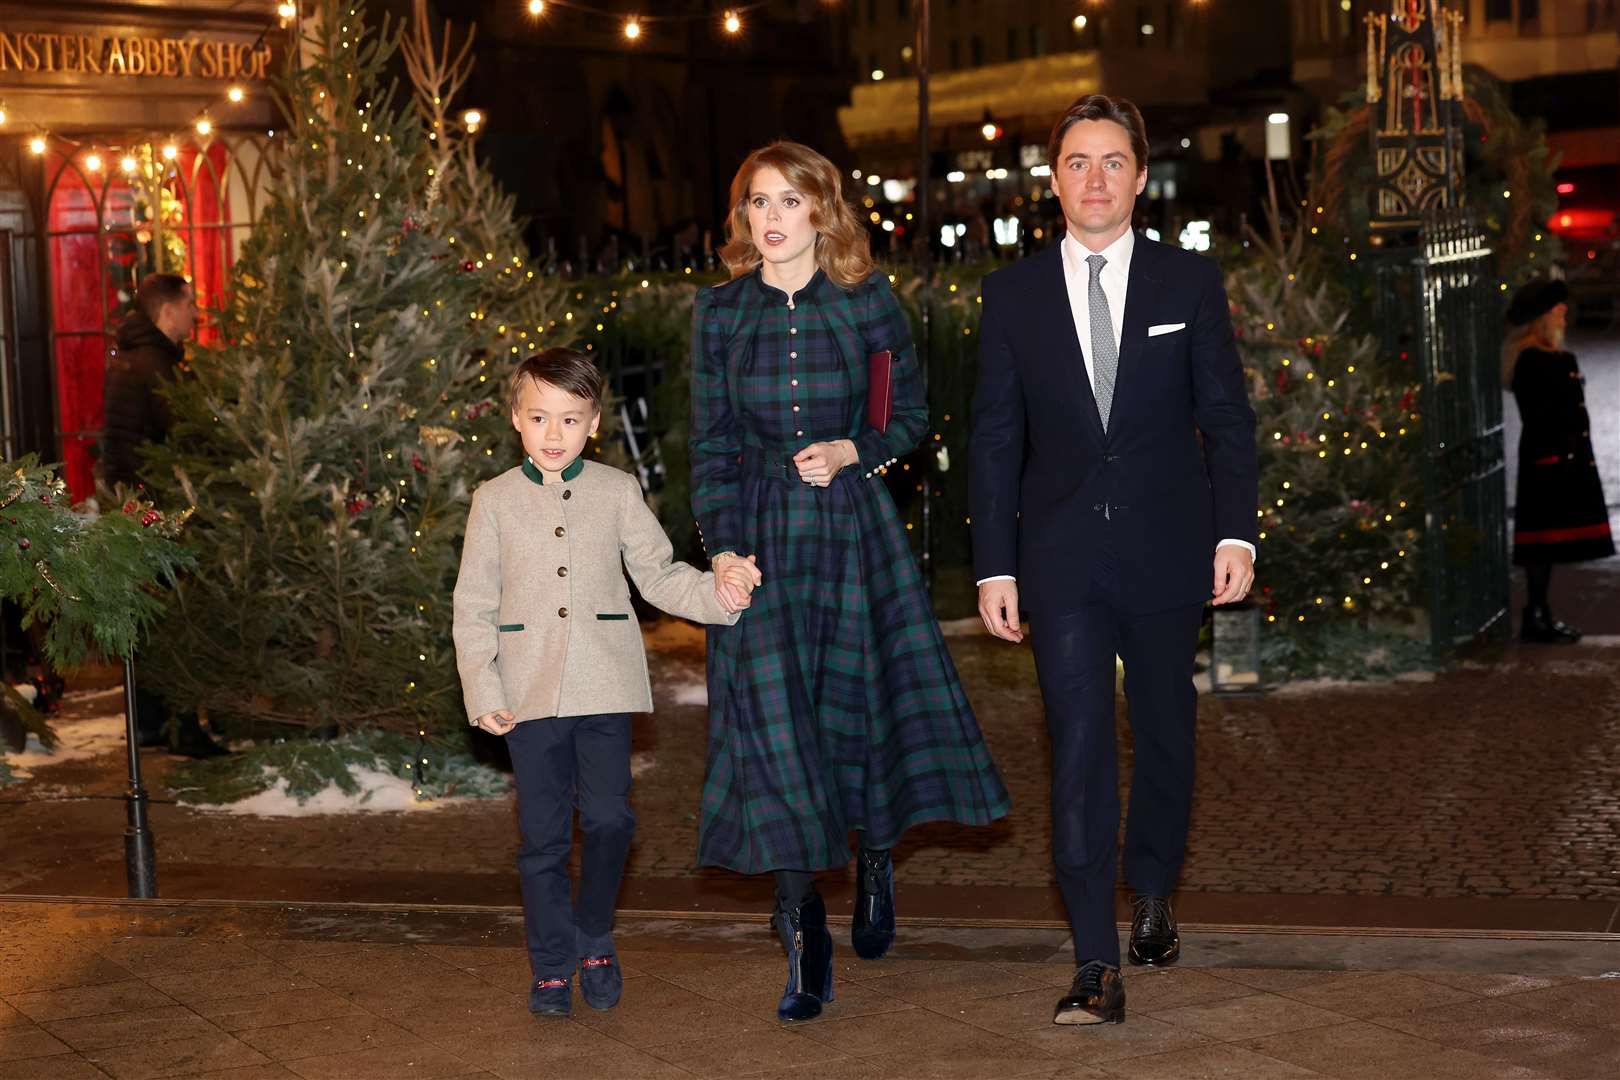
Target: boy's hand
x=731 y=572
x=498 y=722
x=742 y=579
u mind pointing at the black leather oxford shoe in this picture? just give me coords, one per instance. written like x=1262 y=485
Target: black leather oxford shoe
x=1155 y=939
x=1097 y=996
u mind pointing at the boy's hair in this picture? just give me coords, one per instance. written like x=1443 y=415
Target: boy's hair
x=566 y=369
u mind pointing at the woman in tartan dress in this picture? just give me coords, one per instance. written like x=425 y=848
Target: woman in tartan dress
x=834 y=704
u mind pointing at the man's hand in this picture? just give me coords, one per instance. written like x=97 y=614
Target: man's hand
x=819 y=462
x=730 y=572
x=998 y=607
x=1234 y=574
x=498 y=722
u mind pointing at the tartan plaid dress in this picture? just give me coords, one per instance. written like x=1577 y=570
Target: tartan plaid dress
x=833 y=703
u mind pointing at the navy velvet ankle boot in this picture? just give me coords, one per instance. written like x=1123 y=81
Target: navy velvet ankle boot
x=809 y=945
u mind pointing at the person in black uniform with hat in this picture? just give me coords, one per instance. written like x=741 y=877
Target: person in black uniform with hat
x=1561 y=515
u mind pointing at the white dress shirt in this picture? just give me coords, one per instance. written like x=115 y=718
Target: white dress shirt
x=1114 y=277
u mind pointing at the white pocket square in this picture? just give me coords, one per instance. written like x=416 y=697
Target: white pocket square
x=1166 y=328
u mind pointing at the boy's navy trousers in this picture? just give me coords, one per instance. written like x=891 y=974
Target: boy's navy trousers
x=560 y=763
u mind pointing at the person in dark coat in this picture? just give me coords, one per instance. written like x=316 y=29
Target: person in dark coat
x=150 y=347
x=1561 y=516
x=834 y=706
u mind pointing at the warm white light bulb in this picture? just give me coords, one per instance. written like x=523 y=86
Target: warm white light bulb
x=128 y=164
x=37 y=145
x=733 y=25
x=632 y=29
x=204 y=126
x=472 y=118
x=93 y=162
x=537 y=7
x=170 y=152
x=1080 y=22
x=287 y=11
x=235 y=95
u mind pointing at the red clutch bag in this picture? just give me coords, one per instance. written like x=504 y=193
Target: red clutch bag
x=880 y=389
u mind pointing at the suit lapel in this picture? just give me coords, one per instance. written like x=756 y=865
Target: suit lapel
x=1139 y=288
x=1070 y=354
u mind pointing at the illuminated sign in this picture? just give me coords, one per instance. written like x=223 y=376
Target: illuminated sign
x=34 y=52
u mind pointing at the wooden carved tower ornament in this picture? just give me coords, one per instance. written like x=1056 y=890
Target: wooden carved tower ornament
x=1415 y=90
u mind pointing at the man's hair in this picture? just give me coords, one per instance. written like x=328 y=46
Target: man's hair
x=156 y=290
x=1101 y=107
x=566 y=369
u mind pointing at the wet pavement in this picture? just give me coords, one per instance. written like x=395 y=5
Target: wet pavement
x=1485 y=796
x=133 y=990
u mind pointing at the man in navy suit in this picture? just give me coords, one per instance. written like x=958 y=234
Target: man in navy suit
x=1114 y=480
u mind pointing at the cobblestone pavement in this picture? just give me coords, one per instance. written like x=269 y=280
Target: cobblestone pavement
x=135 y=991
x=1495 y=780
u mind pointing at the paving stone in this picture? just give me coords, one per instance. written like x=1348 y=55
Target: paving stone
x=144 y=1060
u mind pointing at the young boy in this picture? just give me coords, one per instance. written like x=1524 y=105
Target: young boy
x=550 y=657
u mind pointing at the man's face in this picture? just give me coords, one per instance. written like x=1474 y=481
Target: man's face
x=179 y=317
x=1097 y=179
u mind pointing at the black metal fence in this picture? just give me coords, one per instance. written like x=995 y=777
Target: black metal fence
x=1441 y=304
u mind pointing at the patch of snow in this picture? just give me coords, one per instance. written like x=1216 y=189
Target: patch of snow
x=688 y=692
x=380 y=792
x=90 y=737
x=641 y=763
x=1317 y=686
x=1600 y=641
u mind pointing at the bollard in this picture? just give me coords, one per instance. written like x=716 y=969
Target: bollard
x=140 y=857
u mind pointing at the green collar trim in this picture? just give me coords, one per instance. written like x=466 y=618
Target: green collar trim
x=533 y=472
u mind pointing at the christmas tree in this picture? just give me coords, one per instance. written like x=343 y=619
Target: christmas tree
x=331 y=441
x=1341 y=483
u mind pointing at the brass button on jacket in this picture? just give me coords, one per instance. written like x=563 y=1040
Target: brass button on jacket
x=562 y=571
x=562 y=613
x=560 y=530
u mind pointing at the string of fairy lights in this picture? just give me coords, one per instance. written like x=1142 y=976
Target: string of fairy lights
x=635 y=27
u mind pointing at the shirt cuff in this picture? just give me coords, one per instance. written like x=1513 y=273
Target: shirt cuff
x=1244 y=544
x=996 y=577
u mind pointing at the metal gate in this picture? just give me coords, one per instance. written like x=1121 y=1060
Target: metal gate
x=1465 y=483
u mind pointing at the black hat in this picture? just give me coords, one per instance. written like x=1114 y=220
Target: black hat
x=1535 y=299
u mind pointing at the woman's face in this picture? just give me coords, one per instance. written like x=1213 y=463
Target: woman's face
x=779 y=217
x=1554 y=323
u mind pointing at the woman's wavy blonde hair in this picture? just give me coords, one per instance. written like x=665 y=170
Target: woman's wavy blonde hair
x=843 y=248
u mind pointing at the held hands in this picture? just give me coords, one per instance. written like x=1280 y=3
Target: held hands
x=998 y=607
x=735 y=579
x=498 y=722
x=819 y=462
x=1234 y=574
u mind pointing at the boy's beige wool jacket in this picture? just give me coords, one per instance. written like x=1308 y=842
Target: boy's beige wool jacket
x=542 y=619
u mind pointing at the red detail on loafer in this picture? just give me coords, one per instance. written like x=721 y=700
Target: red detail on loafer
x=549 y=984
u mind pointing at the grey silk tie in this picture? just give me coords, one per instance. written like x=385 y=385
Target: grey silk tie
x=1104 y=350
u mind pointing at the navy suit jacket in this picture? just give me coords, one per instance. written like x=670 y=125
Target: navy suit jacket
x=1043 y=472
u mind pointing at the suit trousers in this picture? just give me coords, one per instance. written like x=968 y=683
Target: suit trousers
x=1074 y=661
x=560 y=763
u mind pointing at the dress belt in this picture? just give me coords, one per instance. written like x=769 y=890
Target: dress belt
x=773 y=462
